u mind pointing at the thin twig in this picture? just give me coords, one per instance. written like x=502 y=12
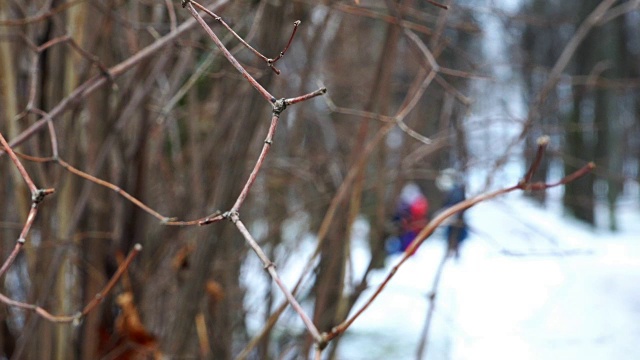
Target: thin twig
x=359 y=11
x=131 y=198
x=77 y=316
x=306 y=97
x=271 y=269
x=437 y=4
x=172 y=14
x=256 y=169
x=543 y=142
x=424 y=336
x=265 y=94
x=37 y=18
x=18 y=164
x=437 y=221
x=99 y=297
x=592 y=20
x=273 y=61
x=165 y=220
x=96 y=82
x=268 y=61
x=20 y=243
x=37 y=195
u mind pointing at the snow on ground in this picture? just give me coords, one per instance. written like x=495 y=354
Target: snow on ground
x=530 y=284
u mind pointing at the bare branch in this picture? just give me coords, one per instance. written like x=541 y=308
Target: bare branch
x=97 y=82
x=270 y=267
x=265 y=94
x=78 y=316
x=99 y=297
x=438 y=220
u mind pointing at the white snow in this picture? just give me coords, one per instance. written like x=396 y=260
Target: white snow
x=530 y=284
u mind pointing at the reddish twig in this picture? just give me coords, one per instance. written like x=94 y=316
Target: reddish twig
x=273 y=61
x=265 y=94
x=165 y=220
x=424 y=336
x=437 y=4
x=37 y=18
x=18 y=164
x=20 y=243
x=37 y=195
x=359 y=11
x=305 y=97
x=256 y=169
x=270 y=62
x=126 y=195
x=92 y=304
x=278 y=107
x=591 y=21
x=438 y=220
x=97 y=82
x=271 y=269
x=543 y=142
x=99 y=297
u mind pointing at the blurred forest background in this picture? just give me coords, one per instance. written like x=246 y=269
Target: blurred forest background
x=180 y=129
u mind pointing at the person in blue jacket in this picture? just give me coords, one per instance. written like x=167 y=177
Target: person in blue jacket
x=456 y=230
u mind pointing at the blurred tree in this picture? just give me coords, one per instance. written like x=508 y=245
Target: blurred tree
x=599 y=110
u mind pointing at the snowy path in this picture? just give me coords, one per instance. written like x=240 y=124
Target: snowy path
x=493 y=306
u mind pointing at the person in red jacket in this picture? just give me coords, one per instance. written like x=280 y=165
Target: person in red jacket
x=410 y=217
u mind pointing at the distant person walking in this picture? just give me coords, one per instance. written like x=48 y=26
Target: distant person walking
x=450 y=182
x=410 y=217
